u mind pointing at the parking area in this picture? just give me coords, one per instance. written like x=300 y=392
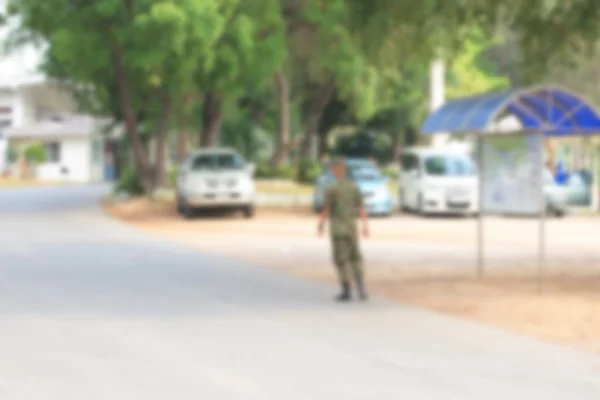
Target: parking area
x=425 y=262
x=399 y=239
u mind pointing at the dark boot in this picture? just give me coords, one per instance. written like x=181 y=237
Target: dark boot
x=345 y=295
x=362 y=290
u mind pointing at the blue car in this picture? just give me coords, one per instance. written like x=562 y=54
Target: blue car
x=373 y=185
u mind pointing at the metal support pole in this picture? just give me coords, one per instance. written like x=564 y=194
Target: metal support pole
x=595 y=168
x=480 y=171
x=542 y=219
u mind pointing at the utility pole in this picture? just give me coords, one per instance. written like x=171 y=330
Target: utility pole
x=437 y=94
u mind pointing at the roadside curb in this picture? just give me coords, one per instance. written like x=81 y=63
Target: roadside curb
x=284 y=200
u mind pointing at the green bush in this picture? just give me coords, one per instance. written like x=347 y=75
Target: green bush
x=35 y=153
x=129 y=182
x=173 y=176
x=391 y=172
x=285 y=172
x=309 y=170
x=263 y=171
x=268 y=171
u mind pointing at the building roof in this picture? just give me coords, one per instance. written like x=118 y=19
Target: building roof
x=555 y=111
x=60 y=126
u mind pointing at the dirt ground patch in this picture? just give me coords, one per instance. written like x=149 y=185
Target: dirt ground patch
x=144 y=211
x=8 y=182
x=282 y=187
x=567 y=311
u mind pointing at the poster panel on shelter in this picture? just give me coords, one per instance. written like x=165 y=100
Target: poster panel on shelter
x=573 y=161
x=511 y=176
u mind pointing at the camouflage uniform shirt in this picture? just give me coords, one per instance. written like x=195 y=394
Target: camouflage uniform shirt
x=343 y=199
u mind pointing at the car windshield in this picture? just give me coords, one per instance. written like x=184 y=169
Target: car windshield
x=449 y=165
x=575 y=180
x=217 y=161
x=364 y=173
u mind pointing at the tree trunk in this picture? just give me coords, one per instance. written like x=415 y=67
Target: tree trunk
x=315 y=113
x=183 y=133
x=282 y=150
x=182 y=144
x=323 y=145
x=212 y=120
x=161 y=142
x=396 y=148
x=125 y=96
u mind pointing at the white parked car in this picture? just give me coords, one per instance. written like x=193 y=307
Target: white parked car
x=215 y=178
x=438 y=181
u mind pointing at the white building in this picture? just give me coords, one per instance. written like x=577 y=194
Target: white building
x=25 y=99
x=34 y=110
x=75 y=146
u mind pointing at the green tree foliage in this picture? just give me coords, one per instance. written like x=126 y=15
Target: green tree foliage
x=247 y=54
x=250 y=139
x=328 y=65
x=209 y=67
x=469 y=71
x=135 y=55
x=545 y=30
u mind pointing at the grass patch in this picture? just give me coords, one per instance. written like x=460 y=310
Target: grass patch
x=269 y=186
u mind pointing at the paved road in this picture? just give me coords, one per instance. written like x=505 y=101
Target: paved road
x=92 y=309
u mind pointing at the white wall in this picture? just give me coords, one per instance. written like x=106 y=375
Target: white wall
x=6 y=99
x=75 y=156
x=97 y=160
x=45 y=97
x=3 y=155
x=26 y=100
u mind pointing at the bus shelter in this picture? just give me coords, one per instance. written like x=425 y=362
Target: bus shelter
x=510 y=128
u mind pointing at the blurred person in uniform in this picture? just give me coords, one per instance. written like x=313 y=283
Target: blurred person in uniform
x=342 y=200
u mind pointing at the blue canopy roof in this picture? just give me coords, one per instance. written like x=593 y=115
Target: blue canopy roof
x=556 y=111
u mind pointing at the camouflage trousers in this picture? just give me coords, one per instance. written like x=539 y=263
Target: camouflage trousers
x=347 y=257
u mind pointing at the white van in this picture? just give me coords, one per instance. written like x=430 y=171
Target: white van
x=438 y=181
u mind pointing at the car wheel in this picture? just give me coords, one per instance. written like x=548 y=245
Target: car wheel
x=559 y=213
x=184 y=208
x=420 y=208
x=249 y=211
x=179 y=204
x=403 y=207
x=188 y=211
